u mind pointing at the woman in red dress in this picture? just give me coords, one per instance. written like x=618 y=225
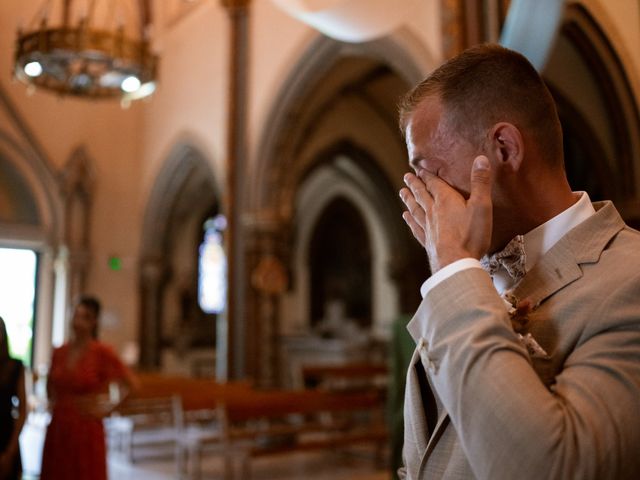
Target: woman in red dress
x=80 y=373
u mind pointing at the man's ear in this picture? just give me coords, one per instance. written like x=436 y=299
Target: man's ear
x=507 y=146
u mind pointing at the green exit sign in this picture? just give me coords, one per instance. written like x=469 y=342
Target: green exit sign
x=115 y=263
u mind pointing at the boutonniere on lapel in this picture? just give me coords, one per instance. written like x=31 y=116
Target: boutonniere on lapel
x=519 y=311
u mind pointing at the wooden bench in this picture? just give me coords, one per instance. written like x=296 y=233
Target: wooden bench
x=275 y=422
x=152 y=425
x=163 y=408
x=349 y=376
x=238 y=422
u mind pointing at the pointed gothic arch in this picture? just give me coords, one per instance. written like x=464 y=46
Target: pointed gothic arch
x=346 y=170
x=598 y=110
x=614 y=88
x=331 y=77
x=50 y=226
x=184 y=191
x=400 y=53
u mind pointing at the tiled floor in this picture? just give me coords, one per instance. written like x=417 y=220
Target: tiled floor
x=294 y=466
x=354 y=464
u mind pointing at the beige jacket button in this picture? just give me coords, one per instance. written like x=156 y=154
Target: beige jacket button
x=427 y=362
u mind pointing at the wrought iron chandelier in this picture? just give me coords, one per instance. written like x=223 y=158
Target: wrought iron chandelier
x=89 y=48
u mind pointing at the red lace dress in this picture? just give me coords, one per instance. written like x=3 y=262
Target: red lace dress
x=74 y=446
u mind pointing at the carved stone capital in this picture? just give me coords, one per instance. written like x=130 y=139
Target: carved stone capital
x=78 y=175
x=153 y=270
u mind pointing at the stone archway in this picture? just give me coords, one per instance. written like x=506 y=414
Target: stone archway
x=184 y=192
x=347 y=170
x=366 y=81
x=28 y=220
x=44 y=227
x=277 y=141
x=598 y=109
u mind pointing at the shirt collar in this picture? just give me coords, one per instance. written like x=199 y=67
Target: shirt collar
x=538 y=241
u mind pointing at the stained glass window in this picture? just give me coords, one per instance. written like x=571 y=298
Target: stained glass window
x=212 y=267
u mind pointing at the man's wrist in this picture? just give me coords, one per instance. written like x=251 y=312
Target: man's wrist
x=440 y=261
x=446 y=272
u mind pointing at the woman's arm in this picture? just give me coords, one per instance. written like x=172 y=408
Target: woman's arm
x=116 y=375
x=51 y=391
x=126 y=384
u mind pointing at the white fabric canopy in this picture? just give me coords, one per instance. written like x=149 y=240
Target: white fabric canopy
x=350 y=20
x=531 y=28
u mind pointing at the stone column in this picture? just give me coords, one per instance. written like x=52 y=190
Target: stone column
x=77 y=181
x=266 y=262
x=231 y=345
x=153 y=277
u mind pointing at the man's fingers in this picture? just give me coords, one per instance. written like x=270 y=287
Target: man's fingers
x=415 y=216
x=433 y=184
x=481 y=207
x=481 y=181
x=416 y=211
x=418 y=191
x=416 y=230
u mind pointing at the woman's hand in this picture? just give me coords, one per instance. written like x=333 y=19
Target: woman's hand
x=95 y=406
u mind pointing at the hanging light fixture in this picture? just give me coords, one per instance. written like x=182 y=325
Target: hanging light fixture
x=89 y=48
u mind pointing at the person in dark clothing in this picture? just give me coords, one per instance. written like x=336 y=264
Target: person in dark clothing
x=12 y=409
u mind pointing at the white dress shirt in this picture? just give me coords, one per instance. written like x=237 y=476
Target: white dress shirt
x=536 y=243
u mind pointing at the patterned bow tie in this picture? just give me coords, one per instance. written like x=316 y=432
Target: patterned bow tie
x=512 y=258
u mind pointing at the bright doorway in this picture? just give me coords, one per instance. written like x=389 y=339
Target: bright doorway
x=18 y=273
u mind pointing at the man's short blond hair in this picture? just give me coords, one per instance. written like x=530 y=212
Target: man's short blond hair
x=488 y=84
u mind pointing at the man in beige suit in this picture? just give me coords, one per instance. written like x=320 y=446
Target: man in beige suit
x=527 y=363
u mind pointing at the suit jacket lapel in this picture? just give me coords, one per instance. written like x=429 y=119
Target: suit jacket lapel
x=428 y=440
x=554 y=271
x=443 y=421
x=414 y=405
x=561 y=264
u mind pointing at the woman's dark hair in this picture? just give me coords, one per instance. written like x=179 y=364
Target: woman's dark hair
x=4 y=341
x=94 y=306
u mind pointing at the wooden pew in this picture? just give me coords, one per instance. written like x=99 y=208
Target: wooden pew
x=275 y=422
x=151 y=424
x=348 y=376
x=162 y=409
x=239 y=422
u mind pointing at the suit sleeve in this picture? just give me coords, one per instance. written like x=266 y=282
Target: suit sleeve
x=509 y=423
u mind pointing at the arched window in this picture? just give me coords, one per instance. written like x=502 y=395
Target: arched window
x=212 y=267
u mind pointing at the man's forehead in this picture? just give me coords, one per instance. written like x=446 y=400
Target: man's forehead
x=429 y=110
x=425 y=120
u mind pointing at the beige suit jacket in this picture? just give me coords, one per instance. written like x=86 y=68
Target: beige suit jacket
x=571 y=412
